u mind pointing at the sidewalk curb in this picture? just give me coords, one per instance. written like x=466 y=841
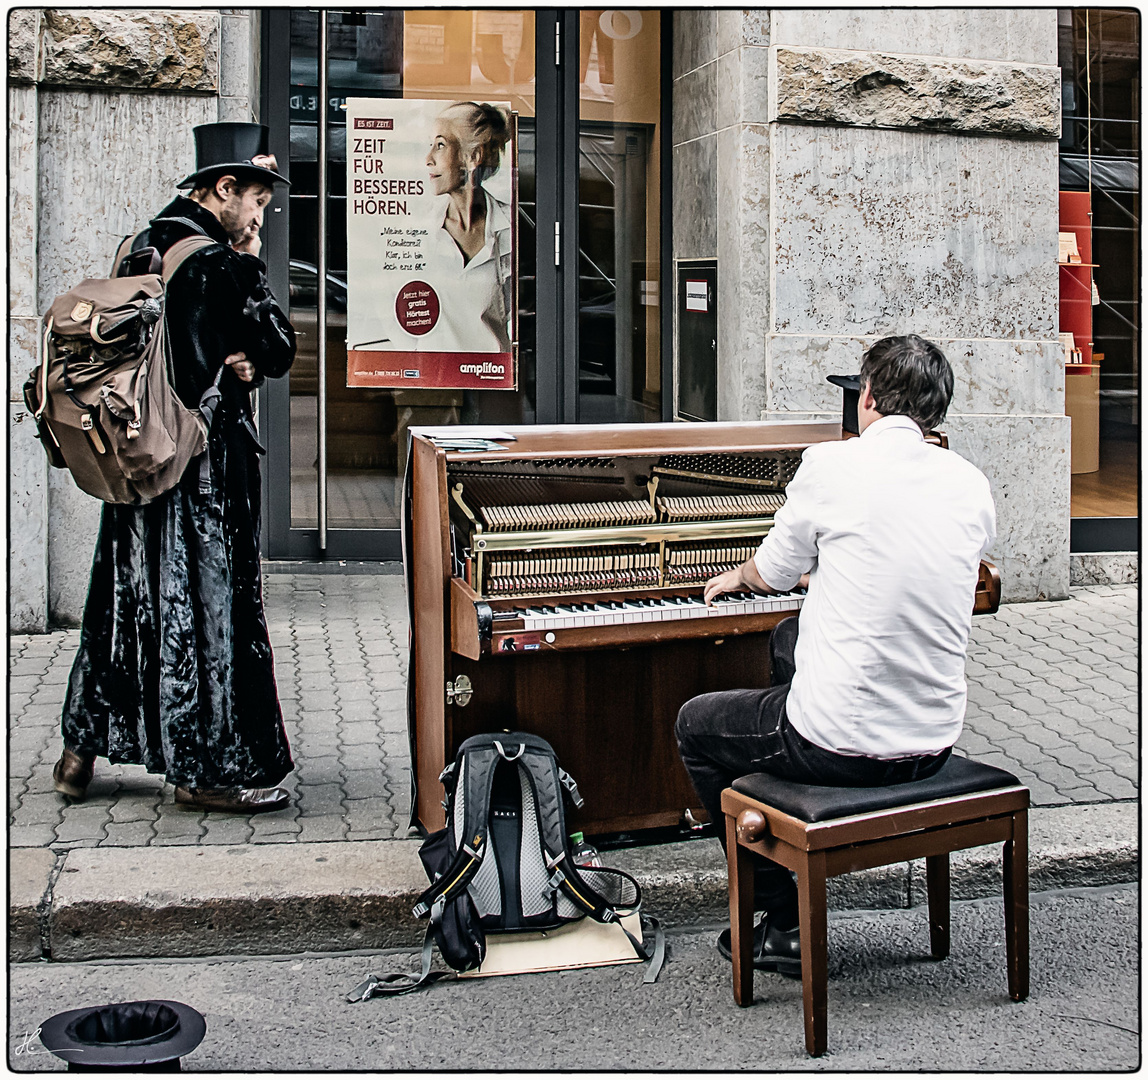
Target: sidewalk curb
x=260 y=899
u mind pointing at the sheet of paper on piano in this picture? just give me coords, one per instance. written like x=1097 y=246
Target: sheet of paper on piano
x=465 y=431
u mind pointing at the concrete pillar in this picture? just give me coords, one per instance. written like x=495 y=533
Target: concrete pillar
x=863 y=173
x=102 y=103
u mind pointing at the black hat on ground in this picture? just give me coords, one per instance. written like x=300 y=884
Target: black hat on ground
x=137 y=1036
x=227 y=149
x=850 y=396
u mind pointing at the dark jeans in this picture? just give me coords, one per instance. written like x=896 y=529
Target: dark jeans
x=730 y=734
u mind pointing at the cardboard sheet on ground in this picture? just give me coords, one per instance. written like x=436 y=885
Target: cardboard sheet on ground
x=585 y=943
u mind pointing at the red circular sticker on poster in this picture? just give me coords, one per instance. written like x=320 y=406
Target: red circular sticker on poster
x=416 y=308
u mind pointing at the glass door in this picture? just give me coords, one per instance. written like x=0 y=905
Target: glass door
x=619 y=216
x=452 y=56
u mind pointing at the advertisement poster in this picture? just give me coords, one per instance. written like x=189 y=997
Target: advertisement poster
x=431 y=234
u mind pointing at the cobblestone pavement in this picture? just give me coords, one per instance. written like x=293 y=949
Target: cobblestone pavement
x=1052 y=697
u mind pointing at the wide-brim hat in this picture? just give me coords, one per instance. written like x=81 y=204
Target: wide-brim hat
x=227 y=149
x=129 y=1035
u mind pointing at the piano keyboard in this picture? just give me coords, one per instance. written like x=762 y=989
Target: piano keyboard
x=551 y=617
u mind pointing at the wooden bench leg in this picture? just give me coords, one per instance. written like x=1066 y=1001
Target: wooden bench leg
x=1016 y=906
x=937 y=884
x=811 y=905
x=741 y=875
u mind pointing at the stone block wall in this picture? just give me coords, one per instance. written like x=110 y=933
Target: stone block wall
x=863 y=173
x=101 y=106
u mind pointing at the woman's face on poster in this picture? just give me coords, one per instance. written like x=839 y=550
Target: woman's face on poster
x=444 y=160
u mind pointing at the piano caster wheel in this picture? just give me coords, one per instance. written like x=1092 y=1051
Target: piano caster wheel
x=550 y=638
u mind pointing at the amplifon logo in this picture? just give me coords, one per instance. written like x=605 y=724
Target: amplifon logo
x=486 y=369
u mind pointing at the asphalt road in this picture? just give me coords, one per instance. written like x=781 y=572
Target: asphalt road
x=890 y=1007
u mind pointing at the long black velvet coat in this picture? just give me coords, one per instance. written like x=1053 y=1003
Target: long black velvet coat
x=174 y=670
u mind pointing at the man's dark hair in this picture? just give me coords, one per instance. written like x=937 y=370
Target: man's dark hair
x=908 y=376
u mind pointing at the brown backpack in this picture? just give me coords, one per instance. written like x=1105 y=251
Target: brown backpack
x=102 y=397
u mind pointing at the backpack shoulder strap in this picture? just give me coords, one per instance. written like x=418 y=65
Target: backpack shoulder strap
x=122 y=250
x=176 y=254
x=475 y=780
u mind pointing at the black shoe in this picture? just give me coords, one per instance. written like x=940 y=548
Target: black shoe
x=773 y=949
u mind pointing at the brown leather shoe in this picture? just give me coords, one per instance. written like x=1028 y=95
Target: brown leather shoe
x=256 y=800
x=72 y=774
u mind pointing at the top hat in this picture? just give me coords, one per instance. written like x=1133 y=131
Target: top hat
x=227 y=149
x=850 y=396
x=149 y=1036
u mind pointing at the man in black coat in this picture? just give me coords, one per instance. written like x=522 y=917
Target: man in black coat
x=174 y=670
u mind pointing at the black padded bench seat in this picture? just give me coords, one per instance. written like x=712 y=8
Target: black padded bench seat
x=819 y=832
x=812 y=802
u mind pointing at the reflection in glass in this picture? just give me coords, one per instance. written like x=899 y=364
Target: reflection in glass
x=619 y=197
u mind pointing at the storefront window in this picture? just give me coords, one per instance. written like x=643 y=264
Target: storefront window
x=449 y=55
x=1100 y=154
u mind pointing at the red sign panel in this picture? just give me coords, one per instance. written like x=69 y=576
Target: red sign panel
x=431 y=370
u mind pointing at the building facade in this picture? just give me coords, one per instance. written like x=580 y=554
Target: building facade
x=842 y=175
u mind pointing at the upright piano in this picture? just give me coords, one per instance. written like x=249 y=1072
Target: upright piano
x=555 y=583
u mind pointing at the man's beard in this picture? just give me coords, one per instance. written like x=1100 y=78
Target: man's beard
x=232 y=223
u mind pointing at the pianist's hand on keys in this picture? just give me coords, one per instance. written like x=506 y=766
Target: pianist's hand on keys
x=746 y=579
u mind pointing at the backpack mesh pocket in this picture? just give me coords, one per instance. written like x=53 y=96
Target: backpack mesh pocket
x=616 y=887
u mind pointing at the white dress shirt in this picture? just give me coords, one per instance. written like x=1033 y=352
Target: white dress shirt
x=891 y=530
x=475 y=296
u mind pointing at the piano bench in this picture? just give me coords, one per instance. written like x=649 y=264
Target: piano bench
x=821 y=832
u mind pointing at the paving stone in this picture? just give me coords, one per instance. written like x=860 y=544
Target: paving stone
x=47 y=809
x=1074 y=758
x=128 y=834
x=393 y=720
x=49 y=694
x=319 y=770
x=29 y=666
x=1082 y=793
x=1116 y=787
x=321 y=828
x=359 y=733
x=82 y=822
x=366 y=784
x=30 y=738
x=367 y=813
x=21 y=836
x=363 y=756
x=1042 y=794
x=139 y=807
x=229 y=829
x=370 y=834
x=354 y=691
x=22 y=685
x=320 y=799
x=264 y=834
x=185 y=825
x=39 y=713
x=359 y=711
x=1059 y=776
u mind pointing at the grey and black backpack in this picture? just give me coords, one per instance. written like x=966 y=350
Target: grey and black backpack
x=503 y=864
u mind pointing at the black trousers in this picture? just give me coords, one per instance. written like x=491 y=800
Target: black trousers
x=730 y=734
